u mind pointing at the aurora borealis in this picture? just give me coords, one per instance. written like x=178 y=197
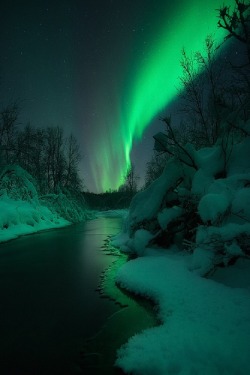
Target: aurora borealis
x=155 y=83
x=103 y=71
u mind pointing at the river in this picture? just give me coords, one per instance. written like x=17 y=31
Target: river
x=48 y=302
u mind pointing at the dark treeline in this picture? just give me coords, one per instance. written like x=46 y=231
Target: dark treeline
x=109 y=200
x=50 y=157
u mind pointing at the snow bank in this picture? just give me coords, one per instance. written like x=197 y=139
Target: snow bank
x=65 y=206
x=23 y=212
x=205 y=325
x=20 y=217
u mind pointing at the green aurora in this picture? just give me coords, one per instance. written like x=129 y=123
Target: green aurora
x=152 y=85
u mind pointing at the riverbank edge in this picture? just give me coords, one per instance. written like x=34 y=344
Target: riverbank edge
x=30 y=230
x=135 y=311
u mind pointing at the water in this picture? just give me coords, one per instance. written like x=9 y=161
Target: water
x=48 y=302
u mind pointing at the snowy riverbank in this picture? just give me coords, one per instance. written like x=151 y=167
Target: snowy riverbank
x=23 y=211
x=205 y=324
x=190 y=234
x=18 y=218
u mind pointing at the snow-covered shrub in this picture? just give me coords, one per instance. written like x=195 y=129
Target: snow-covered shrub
x=18 y=184
x=146 y=204
x=241 y=204
x=22 y=211
x=161 y=208
x=167 y=215
x=212 y=207
x=65 y=206
x=141 y=240
x=224 y=209
x=204 y=209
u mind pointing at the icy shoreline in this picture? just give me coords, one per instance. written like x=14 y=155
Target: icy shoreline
x=135 y=314
x=20 y=218
x=24 y=211
x=205 y=324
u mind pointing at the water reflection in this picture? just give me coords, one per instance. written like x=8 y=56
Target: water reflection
x=48 y=299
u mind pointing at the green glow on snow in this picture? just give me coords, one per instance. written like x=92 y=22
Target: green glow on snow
x=154 y=85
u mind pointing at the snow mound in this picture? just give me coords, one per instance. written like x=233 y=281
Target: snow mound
x=205 y=325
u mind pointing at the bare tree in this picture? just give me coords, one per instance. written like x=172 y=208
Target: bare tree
x=155 y=167
x=55 y=161
x=203 y=91
x=131 y=179
x=73 y=157
x=170 y=143
x=237 y=22
x=8 y=123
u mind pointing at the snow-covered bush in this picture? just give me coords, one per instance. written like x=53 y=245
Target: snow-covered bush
x=18 y=184
x=204 y=209
x=66 y=206
x=22 y=211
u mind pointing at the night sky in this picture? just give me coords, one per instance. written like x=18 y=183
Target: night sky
x=103 y=70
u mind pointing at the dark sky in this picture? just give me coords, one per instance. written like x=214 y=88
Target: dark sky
x=62 y=60
x=71 y=63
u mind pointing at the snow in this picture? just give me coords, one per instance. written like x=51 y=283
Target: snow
x=209 y=160
x=167 y=215
x=205 y=325
x=237 y=276
x=203 y=300
x=239 y=160
x=141 y=239
x=213 y=206
x=202 y=261
x=146 y=204
x=241 y=203
x=20 y=217
x=22 y=211
x=201 y=182
x=205 y=322
x=227 y=232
